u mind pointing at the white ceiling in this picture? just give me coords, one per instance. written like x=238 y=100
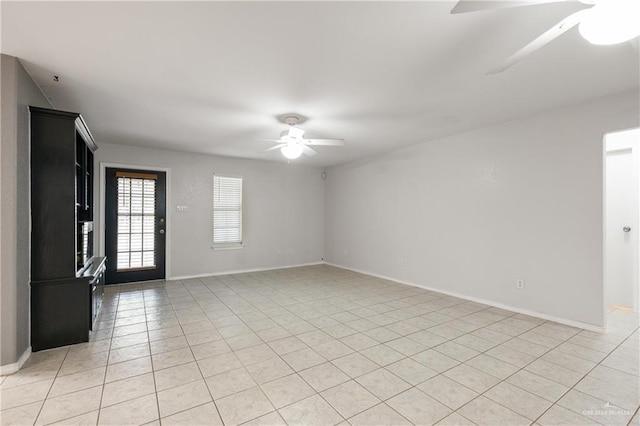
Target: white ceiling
x=212 y=77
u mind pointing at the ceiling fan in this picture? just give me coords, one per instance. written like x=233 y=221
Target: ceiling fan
x=292 y=143
x=602 y=22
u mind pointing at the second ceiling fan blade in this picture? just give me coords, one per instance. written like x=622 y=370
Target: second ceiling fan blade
x=465 y=6
x=557 y=30
x=325 y=142
x=275 y=147
x=308 y=151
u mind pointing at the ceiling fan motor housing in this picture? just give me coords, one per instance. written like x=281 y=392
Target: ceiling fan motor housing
x=291 y=120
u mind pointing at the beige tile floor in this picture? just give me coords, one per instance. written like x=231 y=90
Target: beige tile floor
x=324 y=346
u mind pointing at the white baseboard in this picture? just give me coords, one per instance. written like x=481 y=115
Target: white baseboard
x=565 y=321
x=12 y=368
x=241 y=271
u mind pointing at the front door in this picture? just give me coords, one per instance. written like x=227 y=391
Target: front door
x=135 y=225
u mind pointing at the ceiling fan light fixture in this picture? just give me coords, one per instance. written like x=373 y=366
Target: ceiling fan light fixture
x=291 y=150
x=611 y=22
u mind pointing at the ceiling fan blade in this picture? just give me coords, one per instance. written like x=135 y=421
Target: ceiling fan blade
x=275 y=147
x=325 y=142
x=557 y=30
x=308 y=151
x=465 y=6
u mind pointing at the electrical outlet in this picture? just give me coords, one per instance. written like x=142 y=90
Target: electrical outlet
x=520 y=284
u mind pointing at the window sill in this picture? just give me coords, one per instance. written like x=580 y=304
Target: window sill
x=227 y=247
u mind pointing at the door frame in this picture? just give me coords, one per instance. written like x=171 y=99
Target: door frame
x=102 y=213
x=635 y=151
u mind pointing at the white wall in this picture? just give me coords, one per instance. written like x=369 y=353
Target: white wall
x=283 y=211
x=471 y=213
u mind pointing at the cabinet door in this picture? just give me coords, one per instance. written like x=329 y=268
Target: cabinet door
x=84 y=180
x=60 y=313
x=97 y=291
x=93 y=304
x=53 y=198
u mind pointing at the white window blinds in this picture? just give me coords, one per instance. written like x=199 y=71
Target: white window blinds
x=136 y=220
x=227 y=210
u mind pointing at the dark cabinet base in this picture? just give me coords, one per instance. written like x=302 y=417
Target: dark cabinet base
x=63 y=311
x=59 y=313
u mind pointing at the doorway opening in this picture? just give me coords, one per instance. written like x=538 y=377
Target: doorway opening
x=622 y=224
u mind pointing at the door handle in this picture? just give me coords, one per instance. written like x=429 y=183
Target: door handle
x=161 y=231
x=627 y=229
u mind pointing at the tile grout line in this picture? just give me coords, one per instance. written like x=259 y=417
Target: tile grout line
x=505 y=379
x=539 y=357
x=153 y=370
x=580 y=380
x=51 y=387
x=444 y=371
x=106 y=368
x=636 y=413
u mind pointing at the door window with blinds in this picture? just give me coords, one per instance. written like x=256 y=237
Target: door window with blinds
x=227 y=211
x=136 y=222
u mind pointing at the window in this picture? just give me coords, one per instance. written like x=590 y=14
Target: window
x=136 y=218
x=227 y=211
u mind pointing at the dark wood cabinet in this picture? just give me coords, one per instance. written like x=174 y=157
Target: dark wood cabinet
x=66 y=279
